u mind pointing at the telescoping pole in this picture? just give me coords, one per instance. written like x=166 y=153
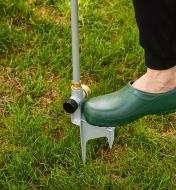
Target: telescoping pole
x=73 y=103
x=75 y=43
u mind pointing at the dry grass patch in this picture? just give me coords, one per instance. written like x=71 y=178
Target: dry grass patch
x=11 y=87
x=108 y=155
x=170 y=133
x=57 y=135
x=89 y=79
x=10 y=81
x=45 y=100
x=6 y=147
x=44 y=12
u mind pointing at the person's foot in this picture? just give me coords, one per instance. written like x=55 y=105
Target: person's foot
x=156 y=81
x=153 y=93
x=126 y=105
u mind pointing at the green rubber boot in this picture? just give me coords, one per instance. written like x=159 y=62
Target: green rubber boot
x=127 y=105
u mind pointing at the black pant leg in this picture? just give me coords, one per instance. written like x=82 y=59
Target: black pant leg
x=156 y=20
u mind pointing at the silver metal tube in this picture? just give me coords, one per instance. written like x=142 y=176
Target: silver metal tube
x=75 y=41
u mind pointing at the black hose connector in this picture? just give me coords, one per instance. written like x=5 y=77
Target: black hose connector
x=70 y=106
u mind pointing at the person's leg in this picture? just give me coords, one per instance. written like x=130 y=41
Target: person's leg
x=157 y=29
x=155 y=91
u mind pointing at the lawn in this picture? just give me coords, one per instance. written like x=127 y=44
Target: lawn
x=40 y=148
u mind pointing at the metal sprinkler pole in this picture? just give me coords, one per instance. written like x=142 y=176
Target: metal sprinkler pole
x=75 y=42
x=78 y=93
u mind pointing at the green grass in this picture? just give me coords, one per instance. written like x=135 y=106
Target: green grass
x=40 y=148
